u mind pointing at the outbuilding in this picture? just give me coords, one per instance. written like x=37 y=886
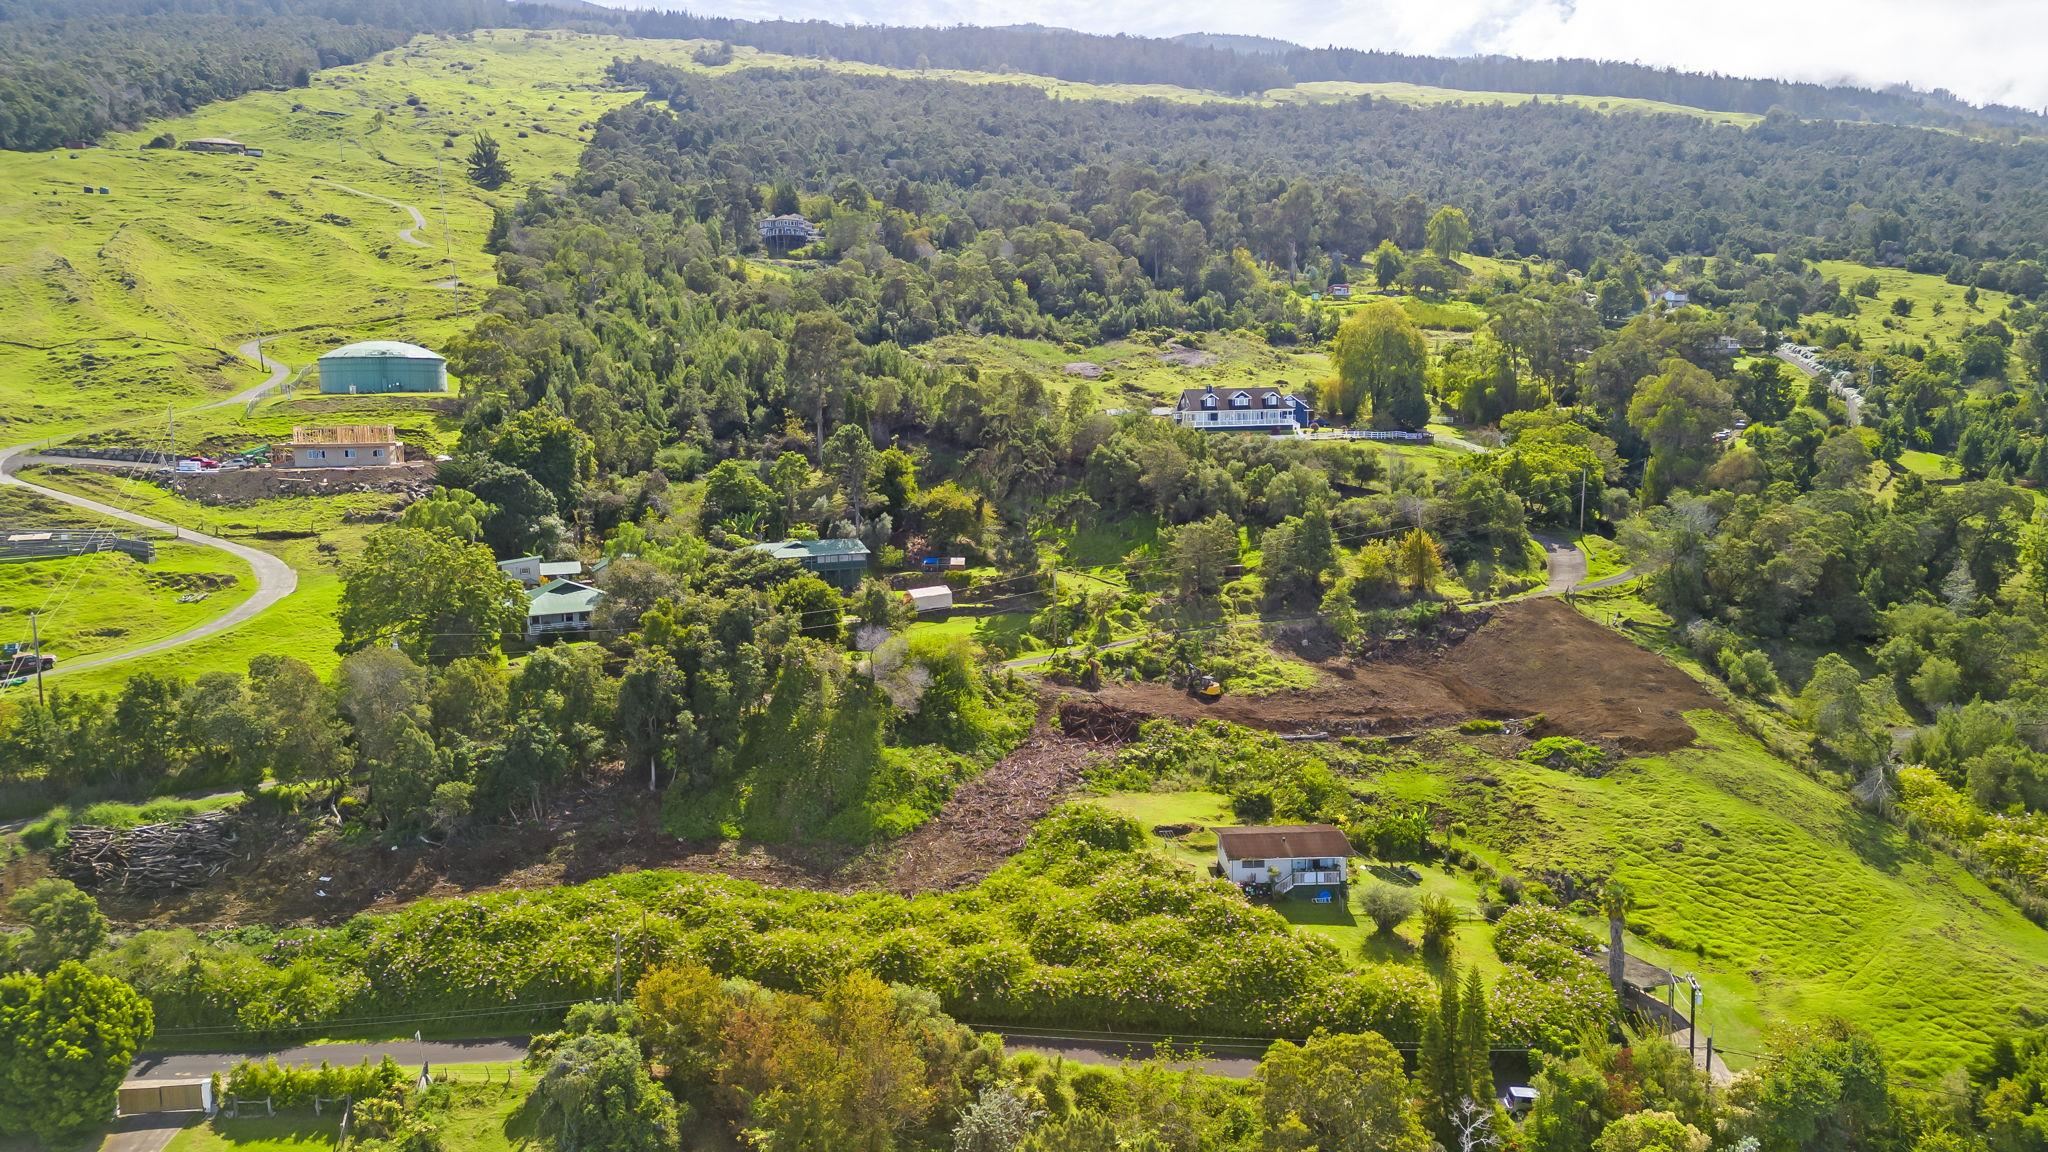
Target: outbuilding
x=937 y=598
x=374 y=366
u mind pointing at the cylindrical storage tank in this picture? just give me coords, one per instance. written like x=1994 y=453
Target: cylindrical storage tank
x=383 y=366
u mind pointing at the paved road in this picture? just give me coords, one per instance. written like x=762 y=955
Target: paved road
x=1566 y=563
x=149 y=1133
x=1621 y=577
x=275 y=579
x=405 y=234
x=174 y=1065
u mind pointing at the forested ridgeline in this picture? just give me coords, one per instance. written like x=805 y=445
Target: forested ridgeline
x=1194 y=63
x=73 y=71
x=1533 y=180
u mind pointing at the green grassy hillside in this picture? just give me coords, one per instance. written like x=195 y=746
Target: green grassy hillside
x=108 y=601
x=120 y=304
x=314 y=534
x=1938 y=307
x=1786 y=900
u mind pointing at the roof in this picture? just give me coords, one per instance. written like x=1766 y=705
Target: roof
x=562 y=596
x=1283 y=842
x=343 y=435
x=813 y=549
x=933 y=594
x=217 y=140
x=1191 y=398
x=560 y=567
x=396 y=349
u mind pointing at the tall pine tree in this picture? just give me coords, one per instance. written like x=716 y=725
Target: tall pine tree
x=1441 y=1066
x=1474 y=1047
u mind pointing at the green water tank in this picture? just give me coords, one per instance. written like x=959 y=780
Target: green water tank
x=383 y=366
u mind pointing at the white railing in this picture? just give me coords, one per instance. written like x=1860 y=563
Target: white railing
x=1290 y=880
x=1239 y=418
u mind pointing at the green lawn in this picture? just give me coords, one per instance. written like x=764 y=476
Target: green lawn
x=478 y=1111
x=108 y=600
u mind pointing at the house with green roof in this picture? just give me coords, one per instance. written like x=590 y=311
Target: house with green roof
x=840 y=563
x=560 y=606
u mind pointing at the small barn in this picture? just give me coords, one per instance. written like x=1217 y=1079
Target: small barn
x=190 y=1094
x=374 y=366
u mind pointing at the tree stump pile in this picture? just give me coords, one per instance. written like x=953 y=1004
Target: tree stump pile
x=180 y=854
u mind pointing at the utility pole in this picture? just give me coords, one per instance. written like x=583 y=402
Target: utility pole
x=35 y=642
x=1055 y=606
x=1582 y=501
x=1692 y=1024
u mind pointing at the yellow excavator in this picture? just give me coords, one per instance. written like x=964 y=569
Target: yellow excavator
x=1200 y=685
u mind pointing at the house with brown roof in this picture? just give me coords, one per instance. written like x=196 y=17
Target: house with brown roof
x=1278 y=859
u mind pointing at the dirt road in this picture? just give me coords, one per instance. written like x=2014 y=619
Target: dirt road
x=275 y=579
x=404 y=234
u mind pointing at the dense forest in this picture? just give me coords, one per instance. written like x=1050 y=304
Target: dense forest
x=1553 y=181
x=1211 y=63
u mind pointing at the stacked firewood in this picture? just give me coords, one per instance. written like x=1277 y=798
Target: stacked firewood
x=180 y=854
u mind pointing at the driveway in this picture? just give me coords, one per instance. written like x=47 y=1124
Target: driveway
x=411 y=1053
x=151 y=1132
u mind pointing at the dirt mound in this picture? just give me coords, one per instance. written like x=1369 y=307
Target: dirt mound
x=1541 y=656
x=989 y=817
x=1530 y=656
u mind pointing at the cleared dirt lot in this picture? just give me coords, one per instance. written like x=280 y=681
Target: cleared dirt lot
x=1530 y=657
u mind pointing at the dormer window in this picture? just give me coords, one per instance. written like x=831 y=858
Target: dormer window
x=1240 y=400
x=1272 y=399
x=1208 y=401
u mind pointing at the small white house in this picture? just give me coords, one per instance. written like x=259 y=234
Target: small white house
x=936 y=598
x=533 y=571
x=1284 y=857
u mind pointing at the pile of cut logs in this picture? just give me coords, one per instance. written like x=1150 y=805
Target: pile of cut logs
x=180 y=854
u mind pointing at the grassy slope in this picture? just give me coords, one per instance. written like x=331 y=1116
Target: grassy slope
x=1324 y=91
x=116 y=305
x=1803 y=905
x=1923 y=289
x=108 y=601
x=303 y=625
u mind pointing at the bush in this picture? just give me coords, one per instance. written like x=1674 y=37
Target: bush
x=295 y=1087
x=1439 y=921
x=1566 y=754
x=1386 y=905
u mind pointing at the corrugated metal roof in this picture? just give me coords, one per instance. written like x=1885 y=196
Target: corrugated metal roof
x=562 y=596
x=398 y=349
x=1283 y=842
x=815 y=549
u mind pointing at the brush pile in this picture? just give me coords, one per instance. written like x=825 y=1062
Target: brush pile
x=152 y=857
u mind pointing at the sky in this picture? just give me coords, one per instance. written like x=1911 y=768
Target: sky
x=1982 y=50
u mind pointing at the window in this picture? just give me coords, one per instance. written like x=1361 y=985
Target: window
x=1208 y=401
x=348 y=453
x=1240 y=401
x=1272 y=399
x=1251 y=863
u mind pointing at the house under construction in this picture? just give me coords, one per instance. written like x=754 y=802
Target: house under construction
x=343 y=446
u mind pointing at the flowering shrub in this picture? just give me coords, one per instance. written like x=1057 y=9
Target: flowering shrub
x=1083 y=928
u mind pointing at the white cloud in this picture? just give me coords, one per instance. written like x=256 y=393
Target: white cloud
x=1983 y=50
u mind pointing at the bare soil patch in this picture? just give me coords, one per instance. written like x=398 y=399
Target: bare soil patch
x=1529 y=657
x=989 y=818
x=284 y=872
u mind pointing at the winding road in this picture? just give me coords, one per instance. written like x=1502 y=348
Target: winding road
x=275 y=579
x=405 y=234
